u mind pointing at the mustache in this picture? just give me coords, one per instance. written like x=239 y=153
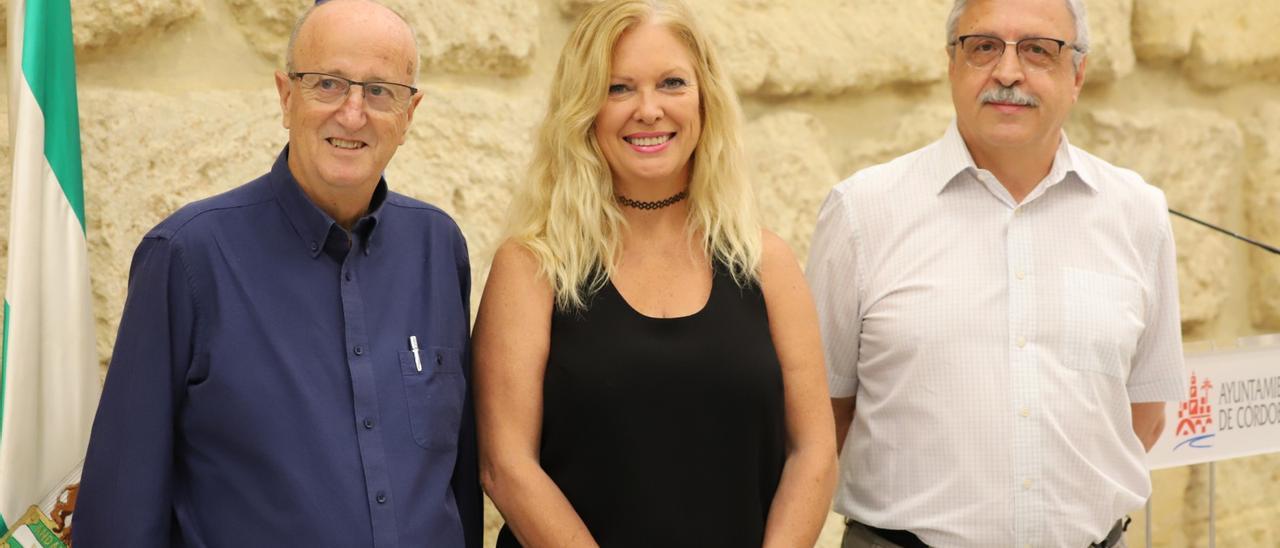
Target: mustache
x=1010 y=96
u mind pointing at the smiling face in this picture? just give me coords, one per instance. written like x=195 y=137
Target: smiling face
x=1007 y=105
x=649 y=125
x=337 y=147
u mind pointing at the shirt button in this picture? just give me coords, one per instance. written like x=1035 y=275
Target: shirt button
x=1022 y=341
x=1020 y=274
x=368 y=424
x=1025 y=412
x=359 y=350
x=315 y=246
x=439 y=360
x=347 y=275
x=1026 y=484
x=381 y=498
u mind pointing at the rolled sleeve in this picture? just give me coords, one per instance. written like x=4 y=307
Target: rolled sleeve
x=833 y=274
x=1157 y=372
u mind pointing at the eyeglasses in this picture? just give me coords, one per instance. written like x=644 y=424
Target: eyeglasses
x=381 y=96
x=1037 y=54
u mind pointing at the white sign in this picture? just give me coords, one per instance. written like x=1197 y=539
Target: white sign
x=1231 y=410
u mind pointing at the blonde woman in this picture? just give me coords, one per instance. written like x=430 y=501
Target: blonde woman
x=647 y=361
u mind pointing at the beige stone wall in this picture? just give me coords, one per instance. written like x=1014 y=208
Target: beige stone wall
x=177 y=103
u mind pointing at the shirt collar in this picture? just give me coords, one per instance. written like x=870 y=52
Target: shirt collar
x=1081 y=167
x=953 y=158
x=310 y=222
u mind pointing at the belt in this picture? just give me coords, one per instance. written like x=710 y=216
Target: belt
x=1113 y=536
x=905 y=539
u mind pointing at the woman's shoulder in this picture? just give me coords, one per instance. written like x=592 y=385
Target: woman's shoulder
x=775 y=251
x=780 y=274
x=515 y=263
x=514 y=254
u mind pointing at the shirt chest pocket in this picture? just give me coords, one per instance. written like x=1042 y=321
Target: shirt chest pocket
x=434 y=393
x=1102 y=320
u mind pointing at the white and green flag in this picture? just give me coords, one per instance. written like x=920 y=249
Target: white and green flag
x=49 y=371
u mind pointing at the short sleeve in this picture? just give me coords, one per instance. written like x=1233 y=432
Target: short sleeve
x=833 y=274
x=1157 y=372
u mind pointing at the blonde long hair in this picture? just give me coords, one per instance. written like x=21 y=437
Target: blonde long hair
x=566 y=214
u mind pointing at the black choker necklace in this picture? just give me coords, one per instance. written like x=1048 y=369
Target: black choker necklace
x=659 y=204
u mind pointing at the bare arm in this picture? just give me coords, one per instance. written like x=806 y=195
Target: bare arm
x=842 y=408
x=1148 y=422
x=808 y=477
x=511 y=341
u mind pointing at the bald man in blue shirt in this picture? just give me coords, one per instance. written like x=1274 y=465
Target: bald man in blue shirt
x=292 y=364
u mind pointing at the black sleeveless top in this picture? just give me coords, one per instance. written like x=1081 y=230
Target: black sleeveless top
x=665 y=432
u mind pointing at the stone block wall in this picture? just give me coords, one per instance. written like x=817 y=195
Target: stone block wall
x=177 y=103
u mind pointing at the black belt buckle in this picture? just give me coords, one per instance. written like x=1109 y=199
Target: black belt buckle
x=1114 y=535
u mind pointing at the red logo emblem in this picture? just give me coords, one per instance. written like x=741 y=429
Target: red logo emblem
x=1195 y=416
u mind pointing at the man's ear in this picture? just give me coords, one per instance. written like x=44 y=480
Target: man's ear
x=285 y=90
x=1079 y=81
x=413 y=106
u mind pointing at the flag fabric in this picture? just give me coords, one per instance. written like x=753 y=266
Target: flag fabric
x=32 y=530
x=49 y=369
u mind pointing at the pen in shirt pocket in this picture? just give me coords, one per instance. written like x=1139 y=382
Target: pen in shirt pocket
x=413 y=345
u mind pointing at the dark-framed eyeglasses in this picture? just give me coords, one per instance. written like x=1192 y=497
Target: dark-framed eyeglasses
x=380 y=96
x=1037 y=53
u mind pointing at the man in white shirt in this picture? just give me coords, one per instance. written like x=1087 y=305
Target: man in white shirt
x=1001 y=308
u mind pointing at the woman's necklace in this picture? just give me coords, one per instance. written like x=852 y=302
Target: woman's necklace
x=659 y=204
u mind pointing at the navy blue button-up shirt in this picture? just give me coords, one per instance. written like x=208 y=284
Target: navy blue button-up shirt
x=266 y=388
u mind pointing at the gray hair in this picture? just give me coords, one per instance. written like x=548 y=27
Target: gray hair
x=302 y=19
x=1080 y=46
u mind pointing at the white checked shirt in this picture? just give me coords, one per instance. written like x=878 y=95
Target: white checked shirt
x=993 y=347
